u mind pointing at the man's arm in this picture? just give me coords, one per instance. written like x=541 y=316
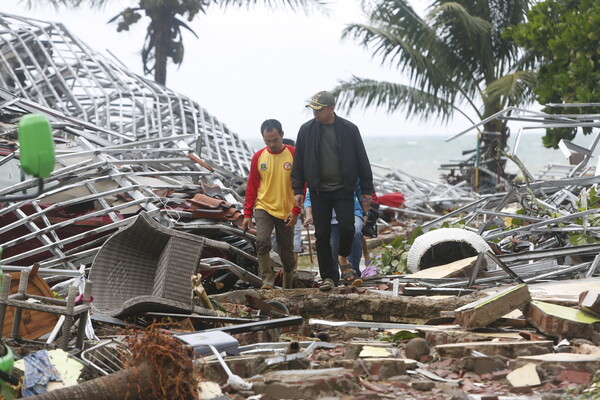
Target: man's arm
x=252 y=186
x=298 y=178
x=363 y=166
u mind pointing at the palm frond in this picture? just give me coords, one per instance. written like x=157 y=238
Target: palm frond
x=454 y=16
x=392 y=97
x=67 y=3
x=513 y=89
x=296 y=5
x=178 y=24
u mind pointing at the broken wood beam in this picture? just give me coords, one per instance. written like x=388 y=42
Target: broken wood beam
x=589 y=301
x=481 y=313
x=510 y=349
x=459 y=268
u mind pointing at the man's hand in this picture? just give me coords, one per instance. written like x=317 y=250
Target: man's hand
x=247 y=224
x=308 y=216
x=291 y=219
x=299 y=200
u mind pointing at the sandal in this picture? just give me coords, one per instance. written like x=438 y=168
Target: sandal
x=326 y=285
x=349 y=276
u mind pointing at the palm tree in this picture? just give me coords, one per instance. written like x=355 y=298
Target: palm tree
x=164 y=38
x=456 y=60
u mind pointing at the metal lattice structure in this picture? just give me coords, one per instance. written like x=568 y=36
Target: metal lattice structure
x=45 y=63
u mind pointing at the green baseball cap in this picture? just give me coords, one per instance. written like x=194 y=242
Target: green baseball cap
x=321 y=99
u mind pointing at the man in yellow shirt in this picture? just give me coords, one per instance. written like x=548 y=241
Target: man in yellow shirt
x=270 y=198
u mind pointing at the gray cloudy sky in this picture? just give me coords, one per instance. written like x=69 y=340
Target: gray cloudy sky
x=249 y=65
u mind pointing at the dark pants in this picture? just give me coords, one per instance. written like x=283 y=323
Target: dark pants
x=322 y=204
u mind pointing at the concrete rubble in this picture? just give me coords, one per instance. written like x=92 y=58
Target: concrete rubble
x=134 y=253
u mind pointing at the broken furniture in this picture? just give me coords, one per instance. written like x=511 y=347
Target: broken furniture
x=104 y=357
x=35 y=323
x=145 y=267
x=68 y=308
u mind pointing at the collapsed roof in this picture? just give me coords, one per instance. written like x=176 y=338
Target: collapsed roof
x=45 y=63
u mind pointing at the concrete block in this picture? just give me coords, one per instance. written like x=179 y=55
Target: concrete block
x=562 y=322
x=483 y=312
x=589 y=301
x=307 y=384
x=438 y=337
x=554 y=363
x=524 y=376
x=376 y=368
x=484 y=365
x=511 y=349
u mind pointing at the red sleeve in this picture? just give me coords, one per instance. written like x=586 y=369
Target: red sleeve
x=252 y=186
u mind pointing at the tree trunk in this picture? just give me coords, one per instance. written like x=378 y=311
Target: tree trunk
x=129 y=384
x=161 y=52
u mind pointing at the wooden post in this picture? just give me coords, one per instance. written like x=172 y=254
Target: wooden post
x=83 y=317
x=4 y=292
x=66 y=328
x=310 y=253
x=18 y=310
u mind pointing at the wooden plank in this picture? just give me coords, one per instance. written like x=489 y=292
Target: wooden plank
x=485 y=311
x=458 y=268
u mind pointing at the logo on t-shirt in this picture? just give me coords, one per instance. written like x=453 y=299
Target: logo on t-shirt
x=287 y=166
x=263 y=166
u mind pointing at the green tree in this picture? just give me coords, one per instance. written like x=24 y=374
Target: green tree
x=456 y=60
x=164 y=38
x=565 y=36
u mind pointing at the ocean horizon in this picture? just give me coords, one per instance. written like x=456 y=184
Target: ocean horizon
x=422 y=156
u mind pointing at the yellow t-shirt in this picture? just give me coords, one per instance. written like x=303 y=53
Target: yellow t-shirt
x=270 y=184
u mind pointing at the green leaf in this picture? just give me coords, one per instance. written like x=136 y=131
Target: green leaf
x=399 y=336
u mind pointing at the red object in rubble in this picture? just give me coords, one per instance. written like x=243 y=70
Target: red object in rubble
x=395 y=199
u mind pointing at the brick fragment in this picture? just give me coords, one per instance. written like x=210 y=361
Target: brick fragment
x=562 y=322
x=510 y=349
x=568 y=375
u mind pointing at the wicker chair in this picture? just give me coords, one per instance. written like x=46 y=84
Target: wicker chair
x=145 y=267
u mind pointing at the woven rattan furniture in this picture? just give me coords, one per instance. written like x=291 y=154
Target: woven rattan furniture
x=145 y=267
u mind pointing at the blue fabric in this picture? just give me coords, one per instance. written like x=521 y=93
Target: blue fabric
x=355 y=255
x=38 y=372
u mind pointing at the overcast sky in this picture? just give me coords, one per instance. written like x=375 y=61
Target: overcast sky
x=250 y=65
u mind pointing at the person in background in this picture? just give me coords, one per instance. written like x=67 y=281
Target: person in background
x=270 y=199
x=357 y=243
x=330 y=156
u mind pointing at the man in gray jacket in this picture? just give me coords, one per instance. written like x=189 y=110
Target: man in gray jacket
x=330 y=156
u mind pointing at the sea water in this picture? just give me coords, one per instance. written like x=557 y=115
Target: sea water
x=422 y=156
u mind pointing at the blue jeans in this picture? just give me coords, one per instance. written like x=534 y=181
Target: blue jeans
x=355 y=255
